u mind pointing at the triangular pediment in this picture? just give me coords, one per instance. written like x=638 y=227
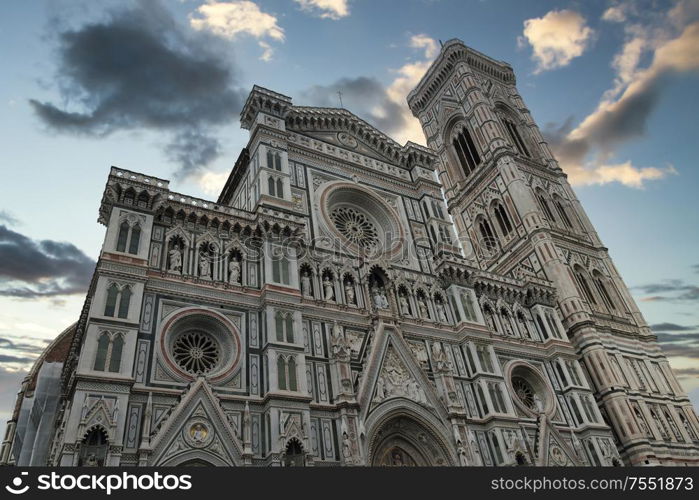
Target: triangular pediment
x=393 y=372
x=553 y=450
x=199 y=428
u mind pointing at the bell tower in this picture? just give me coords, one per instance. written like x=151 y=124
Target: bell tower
x=516 y=215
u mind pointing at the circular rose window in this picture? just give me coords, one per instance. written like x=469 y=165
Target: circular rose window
x=196 y=352
x=361 y=220
x=197 y=342
x=355 y=226
x=525 y=393
x=530 y=390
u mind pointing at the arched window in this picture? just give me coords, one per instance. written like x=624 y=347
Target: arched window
x=484 y=358
x=279 y=326
x=523 y=327
x=271 y=186
x=471 y=361
x=487 y=236
x=496 y=447
x=561 y=374
x=115 y=358
x=110 y=304
x=280 y=266
x=602 y=289
x=515 y=137
x=109 y=350
x=124 y=302
x=280 y=188
x=289 y=327
x=123 y=236
x=502 y=218
x=544 y=204
x=466 y=151
x=540 y=325
x=270 y=159
x=102 y=348
x=576 y=410
x=291 y=366
x=281 y=373
x=135 y=239
x=562 y=213
x=481 y=399
x=573 y=370
x=584 y=286
x=552 y=325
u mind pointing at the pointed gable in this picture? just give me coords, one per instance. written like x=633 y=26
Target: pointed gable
x=197 y=428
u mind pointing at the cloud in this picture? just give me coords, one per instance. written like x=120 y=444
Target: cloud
x=586 y=151
x=329 y=9
x=138 y=69
x=46 y=268
x=616 y=13
x=212 y=182
x=385 y=107
x=192 y=148
x=556 y=38
x=670 y=327
x=364 y=96
x=8 y=218
x=669 y=291
x=234 y=19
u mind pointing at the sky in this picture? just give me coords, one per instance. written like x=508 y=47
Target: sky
x=157 y=87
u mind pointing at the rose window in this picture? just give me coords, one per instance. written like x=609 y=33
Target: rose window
x=196 y=352
x=524 y=392
x=355 y=226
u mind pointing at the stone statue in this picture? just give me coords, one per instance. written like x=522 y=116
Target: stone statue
x=234 y=271
x=305 y=284
x=422 y=307
x=204 y=266
x=441 y=312
x=538 y=403
x=175 y=259
x=91 y=460
x=461 y=452
x=404 y=306
x=380 y=300
x=439 y=357
x=340 y=344
x=349 y=293
x=329 y=289
x=346 y=448
x=380 y=389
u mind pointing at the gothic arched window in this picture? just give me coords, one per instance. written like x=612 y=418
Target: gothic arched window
x=602 y=289
x=487 y=235
x=102 y=348
x=123 y=237
x=124 y=302
x=135 y=239
x=584 y=285
x=544 y=204
x=502 y=218
x=281 y=373
x=115 y=355
x=280 y=188
x=515 y=137
x=466 y=151
x=109 y=350
x=271 y=186
x=110 y=304
x=562 y=212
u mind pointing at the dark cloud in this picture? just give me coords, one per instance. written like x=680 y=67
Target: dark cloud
x=138 y=69
x=12 y=345
x=696 y=268
x=30 y=269
x=191 y=149
x=670 y=327
x=364 y=96
x=670 y=291
x=5 y=358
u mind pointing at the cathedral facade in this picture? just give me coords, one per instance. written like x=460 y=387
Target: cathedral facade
x=350 y=301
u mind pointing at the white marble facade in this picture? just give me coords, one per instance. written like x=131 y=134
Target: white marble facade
x=332 y=308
